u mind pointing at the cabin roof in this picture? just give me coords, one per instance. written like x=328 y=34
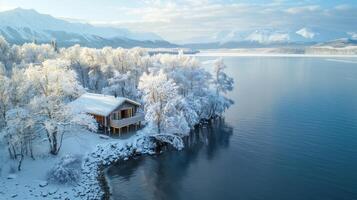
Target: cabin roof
x=99 y=104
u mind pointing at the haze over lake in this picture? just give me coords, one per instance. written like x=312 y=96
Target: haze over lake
x=291 y=134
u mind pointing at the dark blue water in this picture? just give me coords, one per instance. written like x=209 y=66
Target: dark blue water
x=292 y=134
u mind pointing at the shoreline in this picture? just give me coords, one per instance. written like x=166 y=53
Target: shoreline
x=104 y=183
x=149 y=149
x=93 y=169
x=233 y=54
x=102 y=178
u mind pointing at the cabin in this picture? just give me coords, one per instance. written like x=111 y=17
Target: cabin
x=113 y=114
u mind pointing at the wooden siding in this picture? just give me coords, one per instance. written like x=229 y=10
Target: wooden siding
x=100 y=119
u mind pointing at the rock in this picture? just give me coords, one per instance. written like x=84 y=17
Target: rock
x=52 y=191
x=43 y=184
x=44 y=194
x=11 y=176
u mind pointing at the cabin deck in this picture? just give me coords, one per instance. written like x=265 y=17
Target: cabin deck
x=138 y=117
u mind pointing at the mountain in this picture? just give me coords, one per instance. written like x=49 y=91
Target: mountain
x=298 y=37
x=26 y=25
x=339 y=43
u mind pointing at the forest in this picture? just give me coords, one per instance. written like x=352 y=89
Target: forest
x=37 y=81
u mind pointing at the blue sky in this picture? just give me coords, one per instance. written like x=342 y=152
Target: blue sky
x=180 y=20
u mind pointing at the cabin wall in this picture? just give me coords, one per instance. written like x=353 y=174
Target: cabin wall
x=117 y=114
x=100 y=119
x=124 y=106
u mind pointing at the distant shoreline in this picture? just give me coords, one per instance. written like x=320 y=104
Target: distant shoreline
x=236 y=54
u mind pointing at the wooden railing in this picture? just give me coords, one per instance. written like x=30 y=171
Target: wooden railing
x=127 y=121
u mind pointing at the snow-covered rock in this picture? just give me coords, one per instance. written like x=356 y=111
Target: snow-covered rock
x=43 y=183
x=11 y=176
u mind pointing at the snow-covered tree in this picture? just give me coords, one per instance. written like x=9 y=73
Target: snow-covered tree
x=5 y=102
x=53 y=86
x=34 y=53
x=5 y=51
x=54 y=78
x=161 y=101
x=19 y=134
x=121 y=85
x=222 y=82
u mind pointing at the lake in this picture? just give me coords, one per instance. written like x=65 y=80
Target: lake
x=291 y=134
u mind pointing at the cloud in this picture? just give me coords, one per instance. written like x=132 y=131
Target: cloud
x=343 y=7
x=306 y=33
x=353 y=35
x=182 y=20
x=303 y=9
x=4 y=7
x=265 y=38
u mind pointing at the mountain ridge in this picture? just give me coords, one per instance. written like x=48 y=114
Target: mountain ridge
x=19 y=26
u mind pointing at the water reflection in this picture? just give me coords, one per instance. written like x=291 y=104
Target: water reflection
x=160 y=177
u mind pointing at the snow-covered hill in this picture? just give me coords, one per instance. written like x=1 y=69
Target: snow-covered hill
x=21 y=25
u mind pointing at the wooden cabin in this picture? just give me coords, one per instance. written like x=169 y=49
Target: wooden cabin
x=113 y=114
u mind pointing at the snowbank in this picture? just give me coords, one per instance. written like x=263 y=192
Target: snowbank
x=31 y=182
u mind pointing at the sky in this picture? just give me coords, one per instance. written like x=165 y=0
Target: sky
x=183 y=20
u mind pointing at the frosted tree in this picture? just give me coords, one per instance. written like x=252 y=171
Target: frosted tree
x=54 y=78
x=5 y=102
x=121 y=85
x=95 y=62
x=20 y=89
x=5 y=51
x=73 y=55
x=193 y=83
x=19 y=134
x=222 y=82
x=54 y=85
x=33 y=53
x=161 y=101
x=13 y=93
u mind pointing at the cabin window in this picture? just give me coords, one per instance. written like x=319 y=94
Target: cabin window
x=123 y=114
x=126 y=113
x=115 y=116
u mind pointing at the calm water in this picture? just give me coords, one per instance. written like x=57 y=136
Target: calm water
x=292 y=134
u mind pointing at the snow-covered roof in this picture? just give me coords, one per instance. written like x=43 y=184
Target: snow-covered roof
x=99 y=104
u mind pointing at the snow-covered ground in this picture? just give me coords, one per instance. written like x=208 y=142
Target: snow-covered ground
x=96 y=150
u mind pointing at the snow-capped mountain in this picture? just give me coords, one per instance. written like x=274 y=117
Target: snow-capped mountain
x=22 y=25
x=269 y=37
x=342 y=42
